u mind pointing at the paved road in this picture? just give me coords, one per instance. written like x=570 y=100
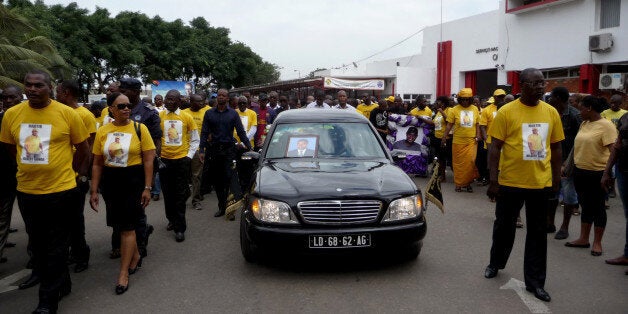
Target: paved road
x=207 y=273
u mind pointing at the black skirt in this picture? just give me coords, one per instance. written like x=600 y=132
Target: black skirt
x=122 y=191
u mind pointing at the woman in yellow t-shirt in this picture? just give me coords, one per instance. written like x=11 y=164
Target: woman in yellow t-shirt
x=590 y=153
x=463 y=120
x=123 y=163
x=440 y=123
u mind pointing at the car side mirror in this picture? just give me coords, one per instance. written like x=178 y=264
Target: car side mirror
x=250 y=156
x=398 y=155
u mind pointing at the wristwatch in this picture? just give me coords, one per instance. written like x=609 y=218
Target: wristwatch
x=83 y=179
x=148 y=188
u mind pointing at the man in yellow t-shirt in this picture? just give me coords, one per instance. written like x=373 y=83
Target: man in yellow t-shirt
x=46 y=183
x=197 y=112
x=615 y=111
x=177 y=155
x=524 y=177
x=68 y=92
x=366 y=106
x=422 y=111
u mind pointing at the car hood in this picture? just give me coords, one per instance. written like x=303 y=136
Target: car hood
x=308 y=180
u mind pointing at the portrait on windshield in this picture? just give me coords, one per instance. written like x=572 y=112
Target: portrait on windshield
x=302 y=146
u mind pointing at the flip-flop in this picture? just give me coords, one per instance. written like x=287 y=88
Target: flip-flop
x=595 y=253
x=458 y=189
x=583 y=246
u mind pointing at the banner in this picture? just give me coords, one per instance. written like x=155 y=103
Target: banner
x=162 y=87
x=373 y=84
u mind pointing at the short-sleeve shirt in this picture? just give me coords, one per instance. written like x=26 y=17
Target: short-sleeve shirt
x=44 y=139
x=439 y=125
x=88 y=119
x=196 y=115
x=521 y=166
x=120 y=146
x=249 y=119
x=590 y=151
x=465 y=121
x=366 y=110
x=613 y=116
x=425 y=112
x=176 y=127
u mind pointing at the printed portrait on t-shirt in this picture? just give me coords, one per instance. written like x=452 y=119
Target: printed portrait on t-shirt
x=174 y=130
x=466 y=118
x=116 y=149
x=438 y=123
x=35 y=142
x=534 y=136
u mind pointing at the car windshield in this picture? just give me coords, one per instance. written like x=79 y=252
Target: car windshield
x=324 y=140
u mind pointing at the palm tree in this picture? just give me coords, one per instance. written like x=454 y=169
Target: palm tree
x=21 y=52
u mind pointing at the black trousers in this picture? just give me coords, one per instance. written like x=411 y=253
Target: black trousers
x=79 y=250
x=175 y=186
x=509 y=203
x=219 y=160
x=47 y=219
x=591 y=196
x=481 y=161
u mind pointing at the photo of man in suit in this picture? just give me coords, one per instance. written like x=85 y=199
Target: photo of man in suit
x=302 y=149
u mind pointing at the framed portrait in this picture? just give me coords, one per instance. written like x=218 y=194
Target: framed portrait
x=302 y=146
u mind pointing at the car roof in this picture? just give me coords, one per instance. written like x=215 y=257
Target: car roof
x=319 y=115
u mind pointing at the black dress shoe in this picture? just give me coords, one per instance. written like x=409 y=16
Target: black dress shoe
x=540 y=294
x=179 y=236
x=490 y=272
x=219 y=213
x=120 y=289
x=137 y=267
x=12 y=230
x=33 y=280
x=9 y=244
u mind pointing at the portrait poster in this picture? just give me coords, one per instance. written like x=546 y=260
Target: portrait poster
x=116 y=152
x=162 y=88
x=173 y=130
x=534 y=138
x=302 y=146
x=35 y=142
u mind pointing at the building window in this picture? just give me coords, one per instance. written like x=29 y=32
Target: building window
x=609 y=13
x=561 y=73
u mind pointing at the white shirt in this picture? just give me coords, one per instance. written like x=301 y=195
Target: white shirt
x=316 y=106
x=347 y=107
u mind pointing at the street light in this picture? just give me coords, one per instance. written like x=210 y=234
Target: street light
x=299 y=72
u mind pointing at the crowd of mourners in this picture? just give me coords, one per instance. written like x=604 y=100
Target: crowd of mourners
x=568 y=153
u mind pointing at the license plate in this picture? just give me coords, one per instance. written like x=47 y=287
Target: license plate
x=340 y=241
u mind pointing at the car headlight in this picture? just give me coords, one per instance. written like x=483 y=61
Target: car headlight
x=272 y=211
x=404 y=208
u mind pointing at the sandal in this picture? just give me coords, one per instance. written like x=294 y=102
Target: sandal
x=458 y=189
x=469 y=189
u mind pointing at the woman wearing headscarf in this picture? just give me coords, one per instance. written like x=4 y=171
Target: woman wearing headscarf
x=123 y=164
x=592 y=148
x=463 y=119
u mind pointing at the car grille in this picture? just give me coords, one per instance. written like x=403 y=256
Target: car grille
x=340 y=212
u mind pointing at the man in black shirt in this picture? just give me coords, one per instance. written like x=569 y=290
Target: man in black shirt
x=217 y=147
x=379 y=119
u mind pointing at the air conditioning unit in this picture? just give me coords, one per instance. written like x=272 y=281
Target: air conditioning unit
x=612 y=80
x=601 y=42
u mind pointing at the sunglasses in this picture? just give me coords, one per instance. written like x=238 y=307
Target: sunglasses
x=242 y=103
x=123 y=106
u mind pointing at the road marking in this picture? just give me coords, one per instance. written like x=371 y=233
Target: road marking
x=534 y=305
x=5 y=283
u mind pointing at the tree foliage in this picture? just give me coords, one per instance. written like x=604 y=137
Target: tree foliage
x=101 y=48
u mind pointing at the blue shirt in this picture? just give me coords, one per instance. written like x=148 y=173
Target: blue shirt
x=220 y=125
x=142 y=113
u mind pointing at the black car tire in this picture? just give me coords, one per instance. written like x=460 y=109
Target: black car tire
x=250 y=252
x=411 y=253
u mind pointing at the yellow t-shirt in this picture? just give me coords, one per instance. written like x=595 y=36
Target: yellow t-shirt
x=425 y=112
x=197 y=116
x=613 y=116
x=366 y=110
x=520 y=165
x=590 y=151
x=439 y=125
x=120 y=146
x=249 y=119
x=44 y=139
x=175 y=143
x=486 y=119
x=88 y=119
x=465 y=121
x=104 y=118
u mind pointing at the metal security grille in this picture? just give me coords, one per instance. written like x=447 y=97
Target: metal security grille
x=340 y=212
